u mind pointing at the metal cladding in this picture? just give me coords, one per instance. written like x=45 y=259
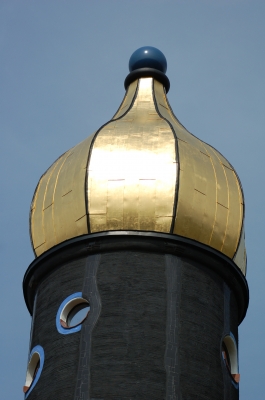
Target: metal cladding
x=142 y=171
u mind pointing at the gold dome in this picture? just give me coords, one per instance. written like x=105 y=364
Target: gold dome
x=142 y=171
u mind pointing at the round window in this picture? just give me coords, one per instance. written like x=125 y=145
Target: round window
x=35 y=365
x=72 y=312
x=78 y=314
x=229 y=355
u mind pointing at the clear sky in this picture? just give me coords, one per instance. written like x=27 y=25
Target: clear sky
x=63 y=64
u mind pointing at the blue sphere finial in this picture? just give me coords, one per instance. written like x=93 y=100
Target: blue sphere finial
x=148 y=57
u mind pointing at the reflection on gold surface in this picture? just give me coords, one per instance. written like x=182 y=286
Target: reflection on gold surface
x=59 y=207
x=210 y=200
x=132 y=170
x=146 y=172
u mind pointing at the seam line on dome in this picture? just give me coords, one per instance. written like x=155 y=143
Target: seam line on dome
x=163 y=106
x=92 y=145
x=80 y=217
x=200 y=192
x=176 y=155
x=222 y=205
x=124 y=106
x=39 y=245
x=205 y=154
x=67 y=193
x=182 y=140
x=231 y=169
x=48 y=206
x=216 y=192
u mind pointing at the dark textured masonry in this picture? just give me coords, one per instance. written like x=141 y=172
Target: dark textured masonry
x=155 y=328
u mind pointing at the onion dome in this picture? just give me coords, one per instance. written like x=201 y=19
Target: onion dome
x=142 y=171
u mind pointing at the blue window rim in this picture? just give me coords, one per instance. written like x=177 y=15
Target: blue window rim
x=60 y=328
x=37 y=349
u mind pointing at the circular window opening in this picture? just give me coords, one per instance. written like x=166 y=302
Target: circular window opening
x=72 y=313
x=75 y=313
x=229 y=354
x=35 y=365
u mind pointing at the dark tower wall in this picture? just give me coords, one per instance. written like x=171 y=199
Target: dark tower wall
x=156 y=323
x=59 y=373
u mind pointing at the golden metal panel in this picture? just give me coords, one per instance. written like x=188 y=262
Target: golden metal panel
x=127 y=101
x=36 y=218
x=131 y=181
x=69 y=194
x=59 y=204
x=48 y=205
x=146 y=205
x=210 y=201
x=233 y=228
x=197 y=194
x=219 y=228
x=36 y=231
x=131 y=203
x=65 y=198
x=115 y=204
x=132 y=170
x=221 y=199
x=241 y=257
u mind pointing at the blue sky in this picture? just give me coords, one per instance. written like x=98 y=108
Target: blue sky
x=63 y=64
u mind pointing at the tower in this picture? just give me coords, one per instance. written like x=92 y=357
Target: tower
x=138 y=285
